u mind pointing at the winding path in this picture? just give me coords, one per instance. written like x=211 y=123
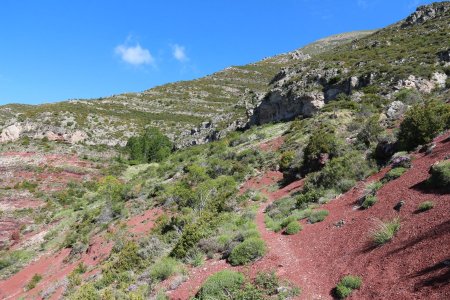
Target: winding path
x=411 y=266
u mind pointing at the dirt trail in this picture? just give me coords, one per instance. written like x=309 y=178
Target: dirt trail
x=414 y=265
x=279 y=256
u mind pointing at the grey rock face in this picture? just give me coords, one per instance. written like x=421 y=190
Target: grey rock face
x=426 y=12
x=278 y=106
x=395 y=110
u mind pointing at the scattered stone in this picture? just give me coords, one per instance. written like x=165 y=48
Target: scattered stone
x=399 y=205
x=339 y=223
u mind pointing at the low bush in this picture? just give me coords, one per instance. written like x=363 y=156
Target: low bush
x=394 y=174
x=222 y=285
x=385 y=231
x=317 y=216
x=347 y=284
x=33 y=282
x=163 y=269
x=308 y=197
x=422 y=123
x=247 y=251
x=340 y=173
x=268 y=282
x=440 y=175
x=424 y=206
x=293 y=228
x=369 y=201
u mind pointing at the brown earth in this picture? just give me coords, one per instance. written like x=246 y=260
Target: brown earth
x=54 y=268
x=414 y=265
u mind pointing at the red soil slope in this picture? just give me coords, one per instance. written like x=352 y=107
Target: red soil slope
x=414 y=265
x=54 y=269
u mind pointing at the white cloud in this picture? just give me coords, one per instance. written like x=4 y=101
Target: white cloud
x=135 y=55
x=179 y=53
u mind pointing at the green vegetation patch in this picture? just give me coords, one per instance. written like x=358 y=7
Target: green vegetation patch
x=346 y=286
x=248 y=251
x=426 y=205
x=385 y=231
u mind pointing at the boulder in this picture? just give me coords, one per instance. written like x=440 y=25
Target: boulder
x=395 y=110
x=11 y=133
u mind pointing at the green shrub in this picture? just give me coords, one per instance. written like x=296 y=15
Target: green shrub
x=286 y=159
x=409 y=96
x=394 y=174
x=268 y=282
x=339 y=173
x=318 y=216
x=371 y=131
x=424 y=206
x=369 y=201
x=385 y=231
x=33 y=282
x=347 y=284
x=342 y=291
x=308 y=197
x=293 y=228
x=151 y=146
x=86 y=292
x=163 y=269
x=422 y=123
x=440 y=175
x=222 y=285
x=322 y=141
x=247 y=251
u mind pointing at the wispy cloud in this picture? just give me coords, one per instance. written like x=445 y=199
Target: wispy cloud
x=179 y=53
x=135 y=55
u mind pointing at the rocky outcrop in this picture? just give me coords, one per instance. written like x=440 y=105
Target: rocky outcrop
x=426 y=12
x=38 y=131
x=279 y=106
x=396 y=110
x=10 y=133
x=423 y=85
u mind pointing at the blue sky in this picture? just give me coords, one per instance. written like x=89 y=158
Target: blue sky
x=52 y=50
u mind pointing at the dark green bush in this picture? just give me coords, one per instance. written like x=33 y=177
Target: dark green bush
x=308 y=197
x=347 y=284
x=440 y=175
x=422 y=123
x=369 y=201
x=318 y=216
x=338 y=172
x=151 y=146
x=222 y=285
x=322 y=141
x=293 y=228
x=268 y=282
x=247 y=251
x=394 y=174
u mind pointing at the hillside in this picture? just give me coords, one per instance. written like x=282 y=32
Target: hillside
x=190 y=112
x=322 y=173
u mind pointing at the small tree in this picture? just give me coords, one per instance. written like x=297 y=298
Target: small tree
x=151 y=146
x=422 y=123
x=322 y=141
